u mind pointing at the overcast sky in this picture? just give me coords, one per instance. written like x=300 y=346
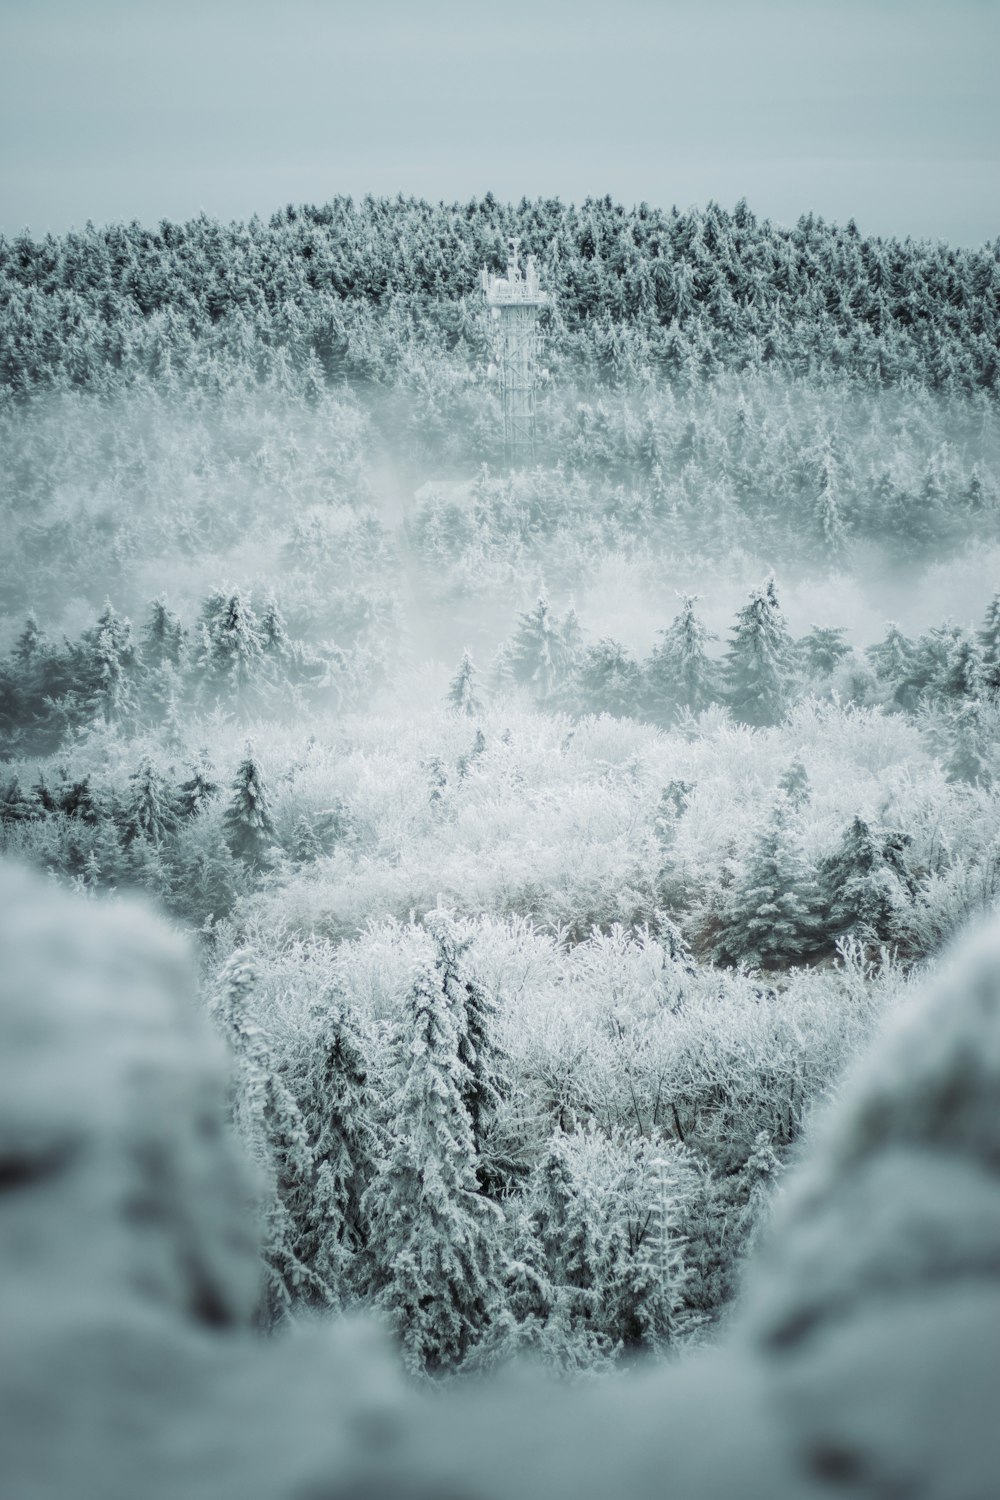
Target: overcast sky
x=884 y=110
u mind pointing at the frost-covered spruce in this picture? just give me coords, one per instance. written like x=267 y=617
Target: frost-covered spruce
x=574 y=1236
x=989 y=644
x=198 y=790
x=162 y=637
x=795 y=784
x=609 y=680
x=276 y=1135
x=971 y=738
x=535 y=655
x=434 y=1233
x=771 y=912
x=821 y=650
x=247 y=820
x=475 y=1017
x=863 y=883
x=965 y=671
x=759 y=663
x=111 y=665
x=679 y=673
x=231 y=648
x=891 y=659
x=338 y=1111
x=30 y=642
x=462 y=694
x=149 y=812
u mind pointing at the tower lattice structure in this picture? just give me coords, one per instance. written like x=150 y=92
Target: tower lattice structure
x=514 y=301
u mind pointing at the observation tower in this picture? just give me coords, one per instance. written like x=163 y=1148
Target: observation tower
x=514 y=301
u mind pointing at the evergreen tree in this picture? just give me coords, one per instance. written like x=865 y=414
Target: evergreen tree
x=828 y=517
x=277 y=1137
x=233 y=649
x=758 y=667
x=680 y=674
x=770 y=918
x=989 y=643
x=890 y=657
x=436 y=1234
x=794 y=783
x=502 y=677
x=338 y=1110
x=77 y=799
x=16 y=806
x=29 y=643
x=579 y=1256
x=971 y=739
x=864 y=883
x=609 y=680
x=247 y=820
x=148 y=811
x=535 y=652
x=964 y=675
x=162 y=637
x=652 y=1277
x=462 y=693
x=822 y=650
x=198 y=790
x=112 y=664
x=475 y=1024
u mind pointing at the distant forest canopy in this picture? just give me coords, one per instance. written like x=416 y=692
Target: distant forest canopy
x=717 y=385
x=347 y=289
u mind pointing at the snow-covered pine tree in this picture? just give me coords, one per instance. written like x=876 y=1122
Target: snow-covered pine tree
x=16 y=805
x=198 y=790
x=609 y=680
x=247 y=820
x=535 y=651
x=462 y=694
x=30 y=642
x=891 y=659
x=275 y=644
x=679 y=673
x=234 y=651
x=863 y=883
x=436 y=1234
x=964 y=676
x=971 y=739
x=149 y=813
x=572 y=1230
x=759 y=663
x=828 y=516
x=339 y=1114
x=485 y=1082
x=276 y=1135
x=652 y=1276
x=821 y=650
x=989 y=644
x=770 y=919
x=162 y=637
x=502 y=677
x=111 y=665
x=795 y=784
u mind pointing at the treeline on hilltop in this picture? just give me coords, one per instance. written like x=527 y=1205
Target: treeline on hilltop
x=370 y=292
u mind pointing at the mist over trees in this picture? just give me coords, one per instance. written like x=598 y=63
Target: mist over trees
x=535 y=948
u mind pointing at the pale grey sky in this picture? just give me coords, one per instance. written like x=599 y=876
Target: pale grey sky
x=887 y=110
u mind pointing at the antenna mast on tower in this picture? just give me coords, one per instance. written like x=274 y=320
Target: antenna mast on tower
x=514 y=301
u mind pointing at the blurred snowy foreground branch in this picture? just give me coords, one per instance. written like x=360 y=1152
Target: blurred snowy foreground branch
x=865 y=1358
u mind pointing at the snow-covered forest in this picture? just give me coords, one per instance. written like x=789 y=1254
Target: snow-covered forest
x=551 y=838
